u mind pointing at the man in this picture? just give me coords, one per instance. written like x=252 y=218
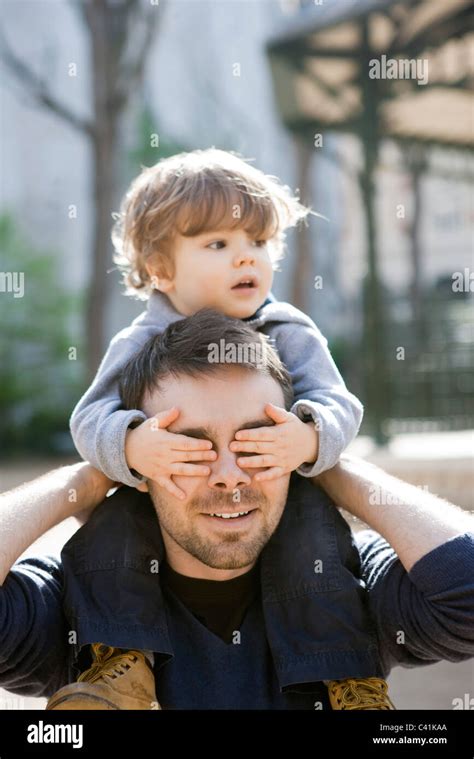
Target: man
x=229 y=614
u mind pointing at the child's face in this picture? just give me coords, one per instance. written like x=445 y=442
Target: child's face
x=209 y=268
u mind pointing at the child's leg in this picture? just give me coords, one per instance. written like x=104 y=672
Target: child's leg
x=369 y=693
x=110 y=674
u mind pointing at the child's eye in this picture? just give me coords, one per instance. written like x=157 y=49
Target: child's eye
x=217 y=242
x=222 y=243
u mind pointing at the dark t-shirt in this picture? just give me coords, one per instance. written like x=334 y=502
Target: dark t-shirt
x=220 y=605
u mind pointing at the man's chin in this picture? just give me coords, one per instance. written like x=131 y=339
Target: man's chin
x=227 y=554
x=229 y=563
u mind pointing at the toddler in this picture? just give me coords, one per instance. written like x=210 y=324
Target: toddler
x=206 y=229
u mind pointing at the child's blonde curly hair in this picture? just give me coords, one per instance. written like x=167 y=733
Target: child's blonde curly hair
x=191 y=194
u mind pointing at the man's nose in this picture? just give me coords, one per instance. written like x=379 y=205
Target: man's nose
x=225 y=474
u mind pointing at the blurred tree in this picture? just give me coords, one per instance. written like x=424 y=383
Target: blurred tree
x=144 y=152
x=120 y=33
x=38 y=381
x=303 y=270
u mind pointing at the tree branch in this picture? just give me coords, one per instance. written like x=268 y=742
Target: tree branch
x=131 y=72
x=38 y=90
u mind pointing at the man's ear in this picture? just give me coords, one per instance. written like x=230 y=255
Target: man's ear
x=142 y=487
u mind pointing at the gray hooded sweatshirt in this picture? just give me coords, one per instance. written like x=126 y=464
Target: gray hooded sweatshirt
x=99 y=423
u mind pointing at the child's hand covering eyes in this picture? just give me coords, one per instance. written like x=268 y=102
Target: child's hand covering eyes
x=282 y=447
x=157 y=454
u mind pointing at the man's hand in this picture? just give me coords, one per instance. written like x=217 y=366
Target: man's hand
x=158 y=454
x=283 y=446
x=96 y=485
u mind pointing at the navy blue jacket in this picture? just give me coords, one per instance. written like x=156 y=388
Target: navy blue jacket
x=314 y=604
x=297 y=633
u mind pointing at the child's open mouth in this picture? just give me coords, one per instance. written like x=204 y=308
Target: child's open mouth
x=246 y=284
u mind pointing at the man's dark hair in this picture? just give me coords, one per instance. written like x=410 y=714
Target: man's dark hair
x=193 y=346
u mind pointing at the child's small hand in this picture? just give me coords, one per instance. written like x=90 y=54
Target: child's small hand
x=283 y=446
x=158 y=454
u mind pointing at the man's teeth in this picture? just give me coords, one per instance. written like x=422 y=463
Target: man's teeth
x=231 y=516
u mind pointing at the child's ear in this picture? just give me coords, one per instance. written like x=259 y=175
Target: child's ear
x=163 y=284
x=142 y=487
x=158 y=282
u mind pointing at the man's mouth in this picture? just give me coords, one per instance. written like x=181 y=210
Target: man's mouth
x=234 y=515
x=233 y=518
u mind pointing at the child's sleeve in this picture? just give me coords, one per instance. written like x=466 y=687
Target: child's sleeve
x=99 y=424
x=319 y=390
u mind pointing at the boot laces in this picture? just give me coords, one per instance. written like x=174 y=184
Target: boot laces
x=364 y=693
x=108 y=664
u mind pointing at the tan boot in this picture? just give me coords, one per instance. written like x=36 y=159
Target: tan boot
x=116 y=680
x=367 y=693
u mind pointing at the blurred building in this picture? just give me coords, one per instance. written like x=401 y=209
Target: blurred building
x=197 y=99
x=215 y=88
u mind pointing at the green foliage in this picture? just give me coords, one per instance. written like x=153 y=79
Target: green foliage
x=38 y=383
x=145 y=153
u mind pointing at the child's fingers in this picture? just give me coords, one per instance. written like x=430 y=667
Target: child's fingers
x=270 y=474
x=251 y=447
x=164 y=418
x=196 y=456
x=185 y=443
x=265 y=434
x=254 y=462
x=168 y=484
x=190 y=470
x=278 y=414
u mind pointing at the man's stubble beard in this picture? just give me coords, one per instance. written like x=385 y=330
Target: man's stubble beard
x=232 y=551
